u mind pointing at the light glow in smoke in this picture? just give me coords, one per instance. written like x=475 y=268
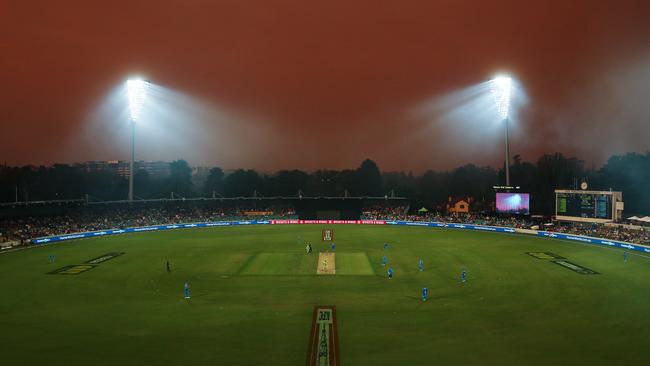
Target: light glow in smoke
x=137 y=89
x=500 y=88
x=468 y=122
x=173 y=125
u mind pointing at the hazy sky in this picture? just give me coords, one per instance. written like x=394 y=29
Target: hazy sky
x=271 y=84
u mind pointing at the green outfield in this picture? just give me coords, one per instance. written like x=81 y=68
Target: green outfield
x=253 y=290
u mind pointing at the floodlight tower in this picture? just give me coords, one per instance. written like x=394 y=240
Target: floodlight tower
x=137 y=90
x=500 y=87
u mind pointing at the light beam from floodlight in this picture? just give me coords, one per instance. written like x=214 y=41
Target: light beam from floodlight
x=500 y=87
x=137 y=90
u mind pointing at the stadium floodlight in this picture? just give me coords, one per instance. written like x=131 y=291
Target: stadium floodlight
x=500 y=87
x=137 y=90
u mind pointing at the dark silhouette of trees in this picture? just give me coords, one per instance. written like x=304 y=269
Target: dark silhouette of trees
x=368 y=181
x=287 y=182
x=180 y=179
x=242 y=183
x=629 y=173
x=214 y=183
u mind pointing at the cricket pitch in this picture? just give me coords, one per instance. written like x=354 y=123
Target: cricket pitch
x=326 y=264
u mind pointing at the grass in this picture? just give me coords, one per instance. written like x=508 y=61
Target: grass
x=253 y=289
x=353 y=264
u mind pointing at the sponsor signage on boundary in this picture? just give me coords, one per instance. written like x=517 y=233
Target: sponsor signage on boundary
x=496 y=229
x=337 y=222
x=590 y=240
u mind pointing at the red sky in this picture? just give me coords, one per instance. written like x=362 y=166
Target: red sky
x=325 y=84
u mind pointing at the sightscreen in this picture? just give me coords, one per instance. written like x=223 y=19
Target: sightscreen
x=513 y=203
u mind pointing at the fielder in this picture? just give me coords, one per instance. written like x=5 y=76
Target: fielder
x=390 y=272
x=425 y=292
x=186 y=290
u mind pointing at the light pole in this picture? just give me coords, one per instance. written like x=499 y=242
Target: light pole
x=137 y=90
x=500 y=87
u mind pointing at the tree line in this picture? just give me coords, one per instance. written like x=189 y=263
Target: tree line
x=629 y=173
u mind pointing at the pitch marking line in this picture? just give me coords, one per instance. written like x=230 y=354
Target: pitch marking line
x=326 y=264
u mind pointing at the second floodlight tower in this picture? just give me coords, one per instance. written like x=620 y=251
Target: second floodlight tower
x=137 y=90
x=501 y=87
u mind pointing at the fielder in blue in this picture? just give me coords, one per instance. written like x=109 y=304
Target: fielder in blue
x=421 y=265
x=333 y=246
x=625 y=256
x=385 y=246
x=463 y=276
x=425 y=292
x=186 y=290
x=51 y=258
x=384 y=261
x=390 y=272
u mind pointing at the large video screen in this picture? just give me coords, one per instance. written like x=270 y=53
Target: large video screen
x=584 y=205
x=513 y=203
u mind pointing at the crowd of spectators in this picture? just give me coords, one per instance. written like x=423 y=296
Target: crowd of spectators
x=93 y=219
x=24 y=228
x=612 y=232
x=384 y=212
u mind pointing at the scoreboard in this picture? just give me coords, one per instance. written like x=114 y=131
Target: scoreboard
x=591 y=206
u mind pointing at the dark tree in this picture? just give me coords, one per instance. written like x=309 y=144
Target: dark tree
x=368 y=182
x=214 y=182
x=288 y=182
x=242 y=183
x=180 y=179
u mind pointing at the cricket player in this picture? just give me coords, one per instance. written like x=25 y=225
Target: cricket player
x=421 y=265
x=384 y=261
x=463 y=276
x=385 y=246
x=307 y=248
x=169 y=267
x=51 y=258
x=625 y=256
x=425 y=292
x=333 y=246
x=390 y=272
x=186 y=290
